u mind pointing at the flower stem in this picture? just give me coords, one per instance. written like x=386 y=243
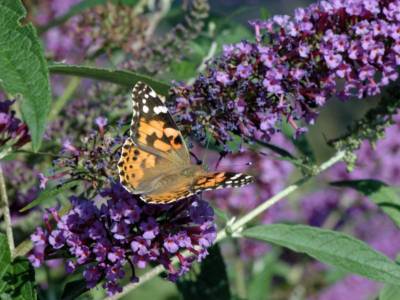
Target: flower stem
x=6 y=211
x=237 y=225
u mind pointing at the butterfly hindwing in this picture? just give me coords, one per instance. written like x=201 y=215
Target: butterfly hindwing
x=132 y=165
x=205 y=182
x=168 y=196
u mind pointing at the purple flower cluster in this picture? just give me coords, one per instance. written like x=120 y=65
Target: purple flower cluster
x=344 y=48
x=13 y=132
x=91 y=158
x=126 y=231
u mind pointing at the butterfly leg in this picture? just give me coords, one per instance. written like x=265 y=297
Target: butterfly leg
x=198 y=161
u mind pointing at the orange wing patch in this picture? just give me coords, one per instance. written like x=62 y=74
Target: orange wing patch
x=155 y=134
x=132 y=163
x=160 y=145
x=174 y=138
x=210 y=181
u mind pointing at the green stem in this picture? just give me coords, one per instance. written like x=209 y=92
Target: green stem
x=237 y=225
x=6 y=212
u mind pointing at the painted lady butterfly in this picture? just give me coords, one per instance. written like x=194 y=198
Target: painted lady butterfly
x=155 y=161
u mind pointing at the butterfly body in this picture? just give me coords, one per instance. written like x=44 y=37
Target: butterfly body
x=155 y=161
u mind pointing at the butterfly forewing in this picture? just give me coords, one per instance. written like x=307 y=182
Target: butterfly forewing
x=153 y=127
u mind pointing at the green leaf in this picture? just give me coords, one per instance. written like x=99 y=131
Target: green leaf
x=49 y=194
x=210 y=282
x=389 y=292
x=5 y=255
x=331 y=247
x=121 y=77
x=73 y=289
x=23 y=68
x=386 y=197
x=19 y=281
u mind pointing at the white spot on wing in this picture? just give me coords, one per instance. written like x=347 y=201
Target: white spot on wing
x=153 y=94
x=145 y=109
x=156 y=110
x=160 y=109
x=236 y=176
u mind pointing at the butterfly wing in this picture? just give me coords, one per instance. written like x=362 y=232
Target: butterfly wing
x=178 y=190
x=156 y=147
x=137 y=168
x=221 y=180
x=203 y=182
x=153 y=127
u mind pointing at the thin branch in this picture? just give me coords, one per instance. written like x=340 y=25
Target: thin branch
x=6 y=211
x=236 y=226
